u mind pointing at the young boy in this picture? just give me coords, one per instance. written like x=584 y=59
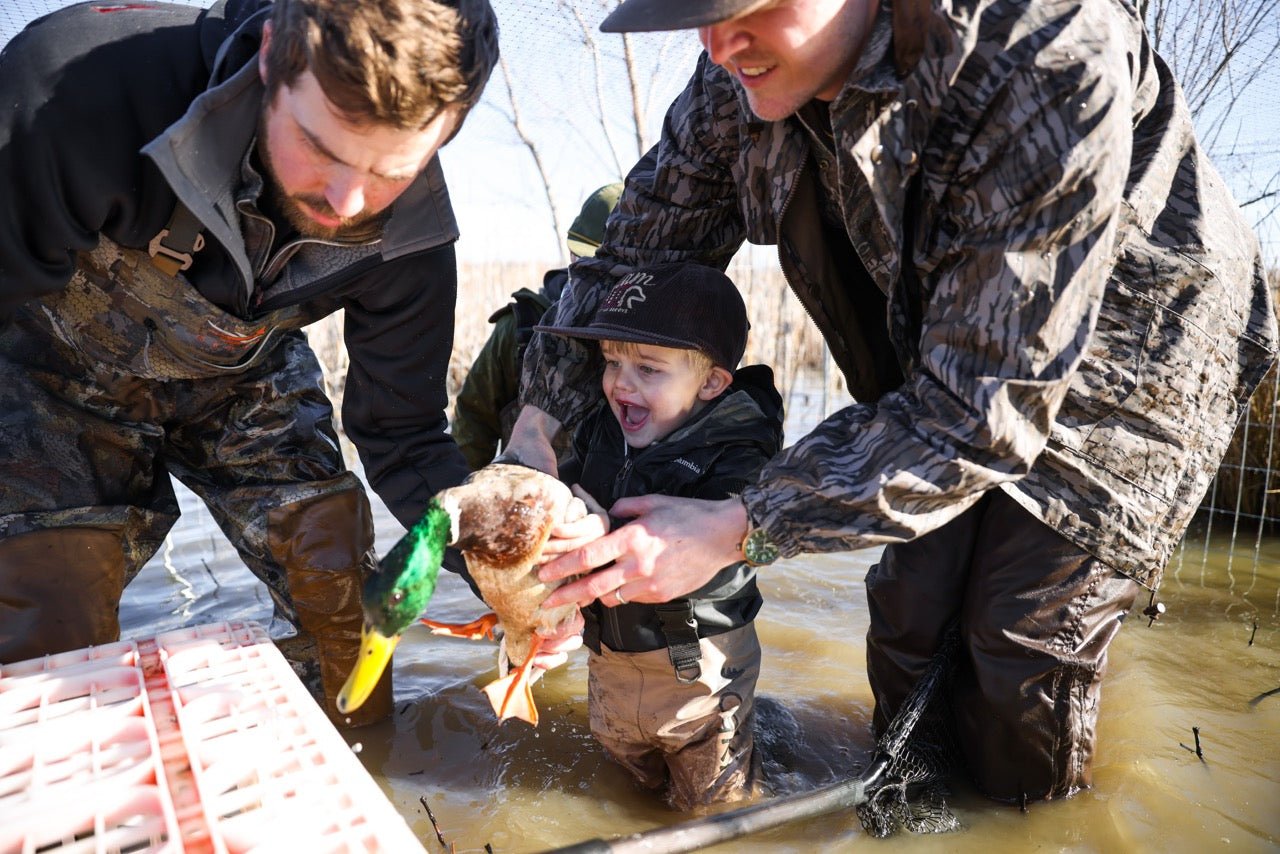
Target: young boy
x=671 y=687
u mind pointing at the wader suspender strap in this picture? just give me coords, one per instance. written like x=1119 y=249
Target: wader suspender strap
x=681 y=630
x=527 y=316
x=172 y=248
x=591 y=631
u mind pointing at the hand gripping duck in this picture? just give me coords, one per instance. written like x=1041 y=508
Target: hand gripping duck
x=500 y=519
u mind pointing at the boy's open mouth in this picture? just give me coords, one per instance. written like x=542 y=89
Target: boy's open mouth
x=633 y=417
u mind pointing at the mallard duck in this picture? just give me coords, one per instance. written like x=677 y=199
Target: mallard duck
x=500 y=518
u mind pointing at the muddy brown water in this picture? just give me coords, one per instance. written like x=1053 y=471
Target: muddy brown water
x=520 y=789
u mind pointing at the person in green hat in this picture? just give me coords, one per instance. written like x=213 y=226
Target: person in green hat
x=487 y=407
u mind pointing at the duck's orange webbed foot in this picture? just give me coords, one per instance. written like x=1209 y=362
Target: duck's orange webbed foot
x=512 y=695
x=474 y=630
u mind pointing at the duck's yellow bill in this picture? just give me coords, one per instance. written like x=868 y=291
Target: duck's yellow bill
x=375 y=653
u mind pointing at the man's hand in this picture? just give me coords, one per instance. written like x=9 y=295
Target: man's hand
x=565 y=537
x=671 y=547
x=531 y=437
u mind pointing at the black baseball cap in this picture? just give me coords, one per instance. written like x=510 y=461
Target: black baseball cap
x=684 y=305
x=642 y=16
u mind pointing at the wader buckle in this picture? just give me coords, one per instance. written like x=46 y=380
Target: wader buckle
x=680 y=628
x=185 y=240
x=171 y=261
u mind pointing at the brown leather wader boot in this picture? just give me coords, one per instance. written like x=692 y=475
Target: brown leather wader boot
x=315 y=541
x=59 y=590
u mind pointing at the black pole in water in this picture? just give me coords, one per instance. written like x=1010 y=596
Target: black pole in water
x=714 y=829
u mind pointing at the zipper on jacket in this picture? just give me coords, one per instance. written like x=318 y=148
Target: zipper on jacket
x=804 y=296
x=285 y=252
x=268 y=267
x=782 y=216
x=621 y=479
x=619 y=484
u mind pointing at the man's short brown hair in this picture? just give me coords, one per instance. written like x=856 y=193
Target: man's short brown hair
x=390 y=62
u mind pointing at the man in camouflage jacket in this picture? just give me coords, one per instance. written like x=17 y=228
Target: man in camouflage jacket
x=177 y=205
x=1048 y=308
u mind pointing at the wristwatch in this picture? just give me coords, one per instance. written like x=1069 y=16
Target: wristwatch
x=757 y=549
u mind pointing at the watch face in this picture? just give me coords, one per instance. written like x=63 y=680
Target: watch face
x=757 y=548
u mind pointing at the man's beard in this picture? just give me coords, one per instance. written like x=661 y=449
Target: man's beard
x=359 y=228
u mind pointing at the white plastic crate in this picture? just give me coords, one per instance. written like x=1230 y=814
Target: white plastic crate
x=199 y=740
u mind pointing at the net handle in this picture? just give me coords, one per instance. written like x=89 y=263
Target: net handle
x=710 y=830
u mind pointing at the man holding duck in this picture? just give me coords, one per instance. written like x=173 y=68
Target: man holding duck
x=1046 y=304
x=184 y=190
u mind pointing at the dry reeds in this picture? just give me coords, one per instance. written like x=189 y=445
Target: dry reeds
x=781 y=336
x=1248 y=481
x=483 y=289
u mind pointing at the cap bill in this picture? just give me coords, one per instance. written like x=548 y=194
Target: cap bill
x=642 y=16
x=581 y=248
x=602 y=332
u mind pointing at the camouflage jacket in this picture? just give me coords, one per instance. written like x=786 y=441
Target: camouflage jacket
x=1077 y=305
x=113 y=112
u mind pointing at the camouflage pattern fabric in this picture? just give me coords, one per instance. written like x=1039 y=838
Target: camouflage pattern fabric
x=129 y=374
x=1078 y=306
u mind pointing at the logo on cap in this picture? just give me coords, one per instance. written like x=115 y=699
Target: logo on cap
x=628 y=293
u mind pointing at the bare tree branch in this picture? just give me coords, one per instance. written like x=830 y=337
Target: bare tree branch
x=607 y=122
x=1260 y=198
x=593 y=46
x=529 y=144
x=637 y=110
x=1218 y=50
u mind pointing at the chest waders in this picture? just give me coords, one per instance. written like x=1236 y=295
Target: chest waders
x=129 y=375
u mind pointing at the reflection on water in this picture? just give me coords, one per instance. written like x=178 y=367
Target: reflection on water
x=521 y=789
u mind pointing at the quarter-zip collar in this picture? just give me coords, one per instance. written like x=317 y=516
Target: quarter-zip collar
x=281 y=264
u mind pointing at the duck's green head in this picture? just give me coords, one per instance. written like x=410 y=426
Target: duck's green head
x=394 y=597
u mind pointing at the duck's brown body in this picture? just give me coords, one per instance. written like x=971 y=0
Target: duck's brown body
x=504 y=515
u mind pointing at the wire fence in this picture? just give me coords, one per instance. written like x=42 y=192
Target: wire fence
x=571 y=108
x=1242 y=508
